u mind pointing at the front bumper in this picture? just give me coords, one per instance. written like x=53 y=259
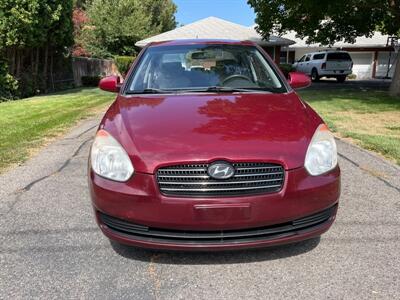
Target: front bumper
x=139 y=203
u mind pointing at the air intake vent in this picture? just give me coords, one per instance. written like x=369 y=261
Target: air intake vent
x=140 y=232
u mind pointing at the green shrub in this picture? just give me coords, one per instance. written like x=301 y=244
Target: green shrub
x=286 y=69
x=352 y=76
x=90 y=80
x=123 y=63
x=8 y=84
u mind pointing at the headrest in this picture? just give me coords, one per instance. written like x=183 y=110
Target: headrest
x=171 y=67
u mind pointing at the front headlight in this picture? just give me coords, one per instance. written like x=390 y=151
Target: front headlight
x=321 y=154
x=109 y=159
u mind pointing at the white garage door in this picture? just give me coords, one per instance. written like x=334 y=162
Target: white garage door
x=362 y=64
x=383 y=62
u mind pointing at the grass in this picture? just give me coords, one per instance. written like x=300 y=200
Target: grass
x=30 y=123
x=370 y=118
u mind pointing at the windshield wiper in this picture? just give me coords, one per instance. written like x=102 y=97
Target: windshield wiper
x=149 y=91
x=222 y=89
x=211 y=89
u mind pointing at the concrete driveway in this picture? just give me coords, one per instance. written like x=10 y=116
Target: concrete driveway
x=50 y=246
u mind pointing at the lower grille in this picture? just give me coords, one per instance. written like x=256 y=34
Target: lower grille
x=193 y=180
x=140 y=232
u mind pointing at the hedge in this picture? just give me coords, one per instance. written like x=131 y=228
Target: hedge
x=123 y=63
x=90 y=80
x=8 y=84
x=286 y=69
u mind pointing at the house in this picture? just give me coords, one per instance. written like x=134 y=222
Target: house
x=215 y=28
x=373 y=57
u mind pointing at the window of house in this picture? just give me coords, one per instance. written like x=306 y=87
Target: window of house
x=283 y=57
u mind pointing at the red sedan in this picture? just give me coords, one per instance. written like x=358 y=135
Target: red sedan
x=208 y=147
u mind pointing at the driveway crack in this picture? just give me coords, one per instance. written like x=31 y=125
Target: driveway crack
x=370 y=173
x=29 y=186
x=82 y=133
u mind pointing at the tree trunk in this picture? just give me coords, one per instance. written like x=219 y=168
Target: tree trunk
x=13 y=56
x=51 y=68
x=18 y=68
x=36 y=69
x=46 y=56
x=32 y=60
x=37 y=62
x=395 y=85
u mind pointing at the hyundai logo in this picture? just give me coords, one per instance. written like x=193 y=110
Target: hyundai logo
x=221 y=170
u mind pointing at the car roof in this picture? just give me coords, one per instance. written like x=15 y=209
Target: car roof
x=201 y=42
x=326 y=51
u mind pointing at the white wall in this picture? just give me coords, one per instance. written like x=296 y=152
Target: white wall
x=382 y=66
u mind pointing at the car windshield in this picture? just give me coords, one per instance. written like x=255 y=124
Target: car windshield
x=209 y=68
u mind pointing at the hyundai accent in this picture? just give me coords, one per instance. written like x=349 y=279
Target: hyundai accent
x=208 y=147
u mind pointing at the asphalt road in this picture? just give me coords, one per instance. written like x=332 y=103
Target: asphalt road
x=50 y=246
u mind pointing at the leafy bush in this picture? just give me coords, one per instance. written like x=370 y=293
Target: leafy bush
x=90 y=80
x=286 y=69
x=352 y=76
x=123 y=63
x=8 y=84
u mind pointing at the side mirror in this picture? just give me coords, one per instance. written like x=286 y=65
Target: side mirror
x=299 y=80
x=110 y=84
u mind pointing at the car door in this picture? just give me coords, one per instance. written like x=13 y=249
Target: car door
x=307 y=65
x=299 y=64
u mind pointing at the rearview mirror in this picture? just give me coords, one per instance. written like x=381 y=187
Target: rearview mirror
x=110 y=84
x=299 y=80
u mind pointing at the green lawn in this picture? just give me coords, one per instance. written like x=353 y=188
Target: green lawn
x=27 y=124
x=369 y=118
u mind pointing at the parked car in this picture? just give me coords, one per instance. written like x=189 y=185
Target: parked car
x=330 y=64
x=208 y=147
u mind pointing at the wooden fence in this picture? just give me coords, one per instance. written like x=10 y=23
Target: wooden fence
x=84 y=66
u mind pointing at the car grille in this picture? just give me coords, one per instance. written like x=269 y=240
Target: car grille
x=193 y=180
x=140 y=232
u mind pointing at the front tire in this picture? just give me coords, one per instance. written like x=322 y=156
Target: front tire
x=314 y=75
x=341 y=79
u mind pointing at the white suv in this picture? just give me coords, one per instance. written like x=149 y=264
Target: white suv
x=337 y=64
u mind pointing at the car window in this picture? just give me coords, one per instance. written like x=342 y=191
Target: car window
x=308 y=57
x=319 y=56
x=302 y=58
x=338 y=56
x=185 y=67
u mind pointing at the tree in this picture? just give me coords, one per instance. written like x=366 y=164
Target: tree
x=116 y=25
x=31 y=31
x=81 y=4
x=162 y=15
x=333 y=21
x=80 y=19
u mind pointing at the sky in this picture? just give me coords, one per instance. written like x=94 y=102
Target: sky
x=237 y=11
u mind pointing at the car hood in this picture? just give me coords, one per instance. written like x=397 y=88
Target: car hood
x=158 y=130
